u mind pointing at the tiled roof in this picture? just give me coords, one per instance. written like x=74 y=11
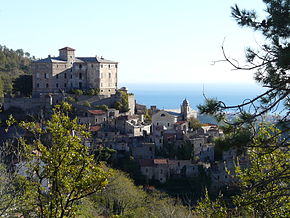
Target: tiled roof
x=50 y=60
x=160 y=161
x=67 y=48
x=97 y=112
x=96 y=59
x=180 y=122
x=95 y=128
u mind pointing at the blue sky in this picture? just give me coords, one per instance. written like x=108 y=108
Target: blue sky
x=155 y=41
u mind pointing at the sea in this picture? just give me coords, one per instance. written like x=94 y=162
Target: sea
x=170 y=96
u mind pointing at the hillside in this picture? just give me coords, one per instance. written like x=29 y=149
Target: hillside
x=14 y=64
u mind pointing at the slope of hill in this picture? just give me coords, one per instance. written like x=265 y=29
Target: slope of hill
x=14 y=68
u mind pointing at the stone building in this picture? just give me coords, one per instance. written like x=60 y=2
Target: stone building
x=65 y=72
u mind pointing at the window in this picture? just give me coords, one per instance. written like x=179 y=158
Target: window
x=46 y=76
x=64 y=85
x=46 y=85
x=56 y=76
x=96 y=120
x=109 y=65
x=162 y=115
x=92 y=65
x=37 y=85
x=101 y=84
x=109 y=75
x=168 y=124
x=80 y=66
x=56 y=85
x=80 y=75
x=80 y=85
x=65 y=75
x=56 y=66
x=71 y=76
x=116 y=65
x=101 y=65
x=71 y=69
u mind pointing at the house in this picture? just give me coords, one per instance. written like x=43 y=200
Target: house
x=65 y=72
x=143 y=150
x=92 y=117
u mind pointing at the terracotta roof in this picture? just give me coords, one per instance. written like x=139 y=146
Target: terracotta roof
x=152 y=162
x=95 y=128
x=160 y=161
x=180 y=122
x=67 y=48
x=96 y=112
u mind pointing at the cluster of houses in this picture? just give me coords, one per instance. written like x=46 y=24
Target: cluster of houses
x=142 y=139
x=130 y=132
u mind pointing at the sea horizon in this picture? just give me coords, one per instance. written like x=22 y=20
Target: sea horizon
x=170 y=95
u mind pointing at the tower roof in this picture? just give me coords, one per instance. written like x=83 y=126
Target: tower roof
x=67 y=48
x=185 y=102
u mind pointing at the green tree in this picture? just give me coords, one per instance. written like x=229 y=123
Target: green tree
x=23 y=84
x=265 y=183
x=194 y=123
x=270 y=61
x=120 y=197
x=61 y=160
x=208 y=208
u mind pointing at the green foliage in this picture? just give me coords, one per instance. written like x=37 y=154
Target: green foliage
x=23 y=85
x=92 y=92
x=63 y=161
x=185 y=151
x=148 y=116
x=87 y=104
x=8 y=193
x=130 y=166
x=102 y=107
x=120 y=197
x=12 y=65
x=123 y=104
x=77 y=92
x=208 y=208
x=265 y=184
x=194 y=123
x=103 y=154
x=70 y=99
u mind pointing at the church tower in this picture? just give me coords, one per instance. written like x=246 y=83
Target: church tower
x=185 y=109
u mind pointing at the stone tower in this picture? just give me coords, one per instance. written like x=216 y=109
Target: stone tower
x=185 y=109
x=67 y=54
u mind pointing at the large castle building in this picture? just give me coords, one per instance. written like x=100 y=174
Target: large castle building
x=66 y=72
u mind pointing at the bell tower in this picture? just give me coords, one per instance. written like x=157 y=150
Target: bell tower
x=185 y=109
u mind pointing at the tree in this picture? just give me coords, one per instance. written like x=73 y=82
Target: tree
x=265 y=185
x=59 y=170
x=270 y=61
x=194 y=123
x=265 y=190
x=23 y=84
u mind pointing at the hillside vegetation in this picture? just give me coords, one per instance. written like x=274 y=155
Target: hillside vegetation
x=14 y=68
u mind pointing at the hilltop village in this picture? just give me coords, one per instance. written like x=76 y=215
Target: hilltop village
x=163 y=144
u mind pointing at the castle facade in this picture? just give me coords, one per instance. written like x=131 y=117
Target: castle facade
x=66 y=72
